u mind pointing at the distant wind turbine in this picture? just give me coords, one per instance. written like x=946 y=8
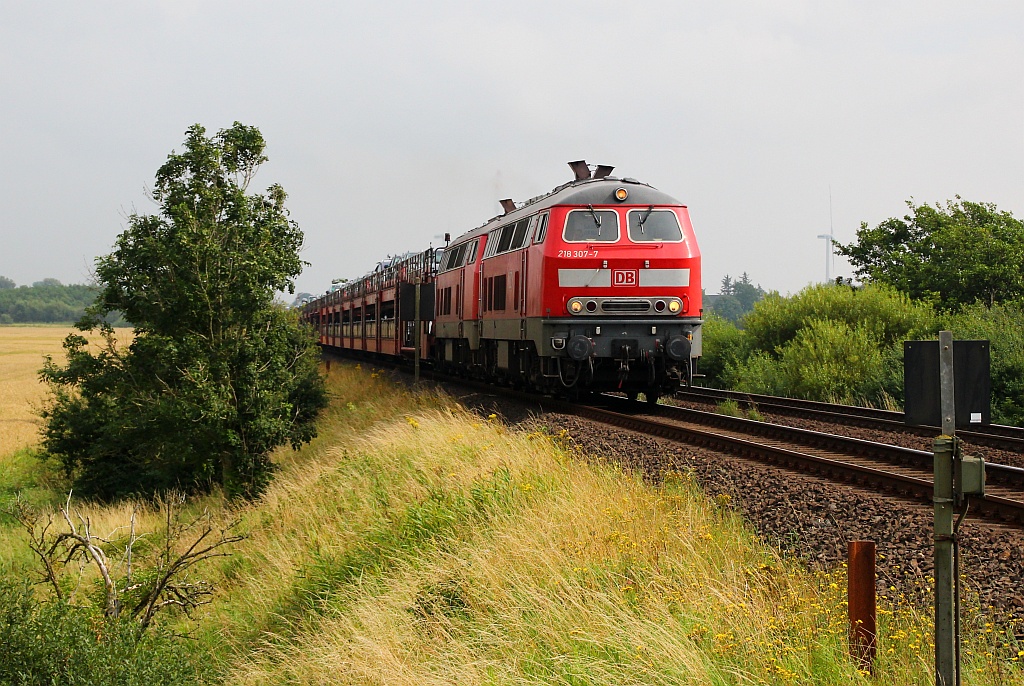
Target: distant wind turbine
x=829 y=239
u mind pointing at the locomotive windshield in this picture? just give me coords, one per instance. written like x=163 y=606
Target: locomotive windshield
x=593 y=226
x=654 y=225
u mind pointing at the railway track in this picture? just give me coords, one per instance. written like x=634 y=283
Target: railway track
x=1000 y=437
x=888 y=469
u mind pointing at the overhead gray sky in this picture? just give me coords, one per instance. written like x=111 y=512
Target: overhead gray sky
x=390 y=123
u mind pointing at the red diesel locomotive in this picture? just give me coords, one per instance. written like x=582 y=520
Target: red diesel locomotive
x=594 y=286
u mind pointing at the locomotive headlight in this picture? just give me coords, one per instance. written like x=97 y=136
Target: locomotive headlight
x=575 y=306
x=621 y=194
x=673 y=306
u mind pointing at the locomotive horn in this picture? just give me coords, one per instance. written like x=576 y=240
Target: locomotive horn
x=508 y=205
x=602 y=171
x=580 y=169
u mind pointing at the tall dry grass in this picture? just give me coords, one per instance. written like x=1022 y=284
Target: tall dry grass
x=414 y=542
x=534 y=567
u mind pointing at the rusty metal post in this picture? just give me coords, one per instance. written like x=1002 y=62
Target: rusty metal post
x=328 y=361
x=860 y=593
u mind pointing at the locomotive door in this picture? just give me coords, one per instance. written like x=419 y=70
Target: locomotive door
x=523 y=269
x=523 y=264
x=460 y=298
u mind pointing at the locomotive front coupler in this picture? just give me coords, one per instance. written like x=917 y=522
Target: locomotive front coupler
x=624 y=365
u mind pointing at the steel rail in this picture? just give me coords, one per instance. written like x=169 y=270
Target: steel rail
x=1012 y=477
x=993 y=435
x=992 y=507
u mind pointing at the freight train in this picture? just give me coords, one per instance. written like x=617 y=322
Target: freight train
x=594 y=286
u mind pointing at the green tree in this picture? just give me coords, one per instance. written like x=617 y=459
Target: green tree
x=7 y=283
x=45 y=302
x=955 y=255
x=728 y=307
x=747 y=293
x=217 y=375
x=737 y=298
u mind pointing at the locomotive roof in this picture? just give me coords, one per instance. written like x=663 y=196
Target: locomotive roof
x=584 y=192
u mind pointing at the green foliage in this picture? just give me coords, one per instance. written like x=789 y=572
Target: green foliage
x=890 y=316
x=1001 y=325
x=217 y=375
x=44 y=302
x=724 y=345
x=48 y=643
x=963 y=253
x=827 y=342
x=737 y=298
x=6 y=283
x=826 y=360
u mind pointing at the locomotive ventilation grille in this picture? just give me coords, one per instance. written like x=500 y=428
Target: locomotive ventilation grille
x=626 y=306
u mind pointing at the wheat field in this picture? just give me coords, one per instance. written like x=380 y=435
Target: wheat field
x=21 y=355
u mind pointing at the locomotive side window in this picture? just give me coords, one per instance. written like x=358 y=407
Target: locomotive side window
x=591 y=226
x=492 y=243
x=654 y=225
x=505 y=240
x=457 y=257
x=472 y=251
x=542 y=229
x=521 y=234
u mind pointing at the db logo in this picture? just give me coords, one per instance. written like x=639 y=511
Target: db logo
x=624 y=277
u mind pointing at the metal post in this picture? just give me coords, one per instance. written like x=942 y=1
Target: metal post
x=860 y=595
x=417 y=333
x=946 y=667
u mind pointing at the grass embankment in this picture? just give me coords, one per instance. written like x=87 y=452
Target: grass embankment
x=414 y=542
x=417 y=543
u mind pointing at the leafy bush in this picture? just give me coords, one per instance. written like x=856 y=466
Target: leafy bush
x=1001 y=325
x=828 y=360
x=828 y=342
x=723 y=345
x=889 y=315
x=48 y=643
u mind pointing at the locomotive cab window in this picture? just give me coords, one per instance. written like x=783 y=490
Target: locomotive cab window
x=591 y=226
x=651 y=225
